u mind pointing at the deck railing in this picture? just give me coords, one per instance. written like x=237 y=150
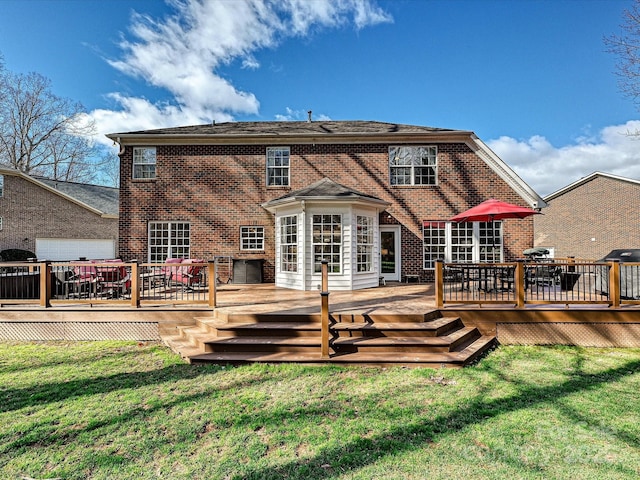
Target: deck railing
x=523 y=283
x=110 y=282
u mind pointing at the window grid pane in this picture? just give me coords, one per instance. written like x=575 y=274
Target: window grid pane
x=490 y=241
x=462 y=242
x=327 y=242
x=168 y=240
x=413 y=165
x=364 y=244
x=144 y=162
x=435 y=239
x=289 y=243
x=252 y=238
x=278 y=166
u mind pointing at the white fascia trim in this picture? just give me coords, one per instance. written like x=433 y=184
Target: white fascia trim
x=587 y=179
x=506 y=173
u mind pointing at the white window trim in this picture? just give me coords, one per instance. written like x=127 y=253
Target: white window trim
x=171 y=248
x=478 y=242
x=1 y=186
x=368 y=224
x=283 y=244
x=413 y=167
x=136 y=162
x=340 y=245
x=269 y=167
x=245 y=238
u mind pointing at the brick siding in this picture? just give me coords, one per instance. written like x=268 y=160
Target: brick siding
x=29 y=211
x=604 y=209
x=220 y=188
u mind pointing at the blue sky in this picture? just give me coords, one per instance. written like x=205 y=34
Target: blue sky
x=532 y=78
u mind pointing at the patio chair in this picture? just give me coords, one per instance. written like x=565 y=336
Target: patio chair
x=113 y=281
x=169 y=270
x=189 y=275
x=544 y=275
x=82 y=282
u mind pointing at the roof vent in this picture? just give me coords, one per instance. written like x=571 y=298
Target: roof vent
x=309 y=118
x=213 y=122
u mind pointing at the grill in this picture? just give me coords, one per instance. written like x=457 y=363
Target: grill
x=629 y=275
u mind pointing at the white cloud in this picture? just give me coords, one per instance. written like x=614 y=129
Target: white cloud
x=183 y=52
x=615 y=149
x=299 y=115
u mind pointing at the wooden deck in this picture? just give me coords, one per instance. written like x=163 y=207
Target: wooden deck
x=392 y=324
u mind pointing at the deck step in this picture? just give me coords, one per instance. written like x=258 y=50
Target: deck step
x=449 y=342
x=433 y=327
x=262 y=344
x=357 y=339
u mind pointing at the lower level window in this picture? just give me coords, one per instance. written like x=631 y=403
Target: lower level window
x=364 y=244
x=327 y=242
x=169 y=240
x=289 y=243
x=252 y=238
x=461 y=242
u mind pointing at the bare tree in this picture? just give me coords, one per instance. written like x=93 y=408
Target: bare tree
x=626 y=47
x=41 y=133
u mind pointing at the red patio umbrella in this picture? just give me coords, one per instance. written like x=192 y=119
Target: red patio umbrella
x=491 y=210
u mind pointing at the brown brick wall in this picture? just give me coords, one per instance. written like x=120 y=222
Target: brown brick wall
x=29 y=211
x=219 y=188
x=604 y=209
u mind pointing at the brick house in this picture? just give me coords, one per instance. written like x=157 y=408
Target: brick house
x=57 y=220
x=590 y=217
x=372 y=198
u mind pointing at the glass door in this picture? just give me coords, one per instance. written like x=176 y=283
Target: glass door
x=390 y=253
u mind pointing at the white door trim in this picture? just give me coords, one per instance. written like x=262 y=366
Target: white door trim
x=395 y=276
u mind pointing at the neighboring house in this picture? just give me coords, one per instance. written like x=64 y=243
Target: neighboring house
x=57 y=220
x=590 y=217
x=371 y=198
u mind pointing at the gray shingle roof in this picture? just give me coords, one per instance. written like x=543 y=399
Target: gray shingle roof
x=316 y=127
x=325 y=189
x=104 y=199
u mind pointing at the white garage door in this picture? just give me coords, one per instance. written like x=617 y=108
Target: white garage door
x=61 y=249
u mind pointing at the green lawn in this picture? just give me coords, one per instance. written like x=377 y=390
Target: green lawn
x=99 y=410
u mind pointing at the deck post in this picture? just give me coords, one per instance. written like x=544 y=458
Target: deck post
x=324 y=311
x=135 y=284
x=439 y=283
x=519 y=284
x=614 y=283
x=45 y=284
x=212 y=272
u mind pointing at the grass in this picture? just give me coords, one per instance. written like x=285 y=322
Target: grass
x=104 y=410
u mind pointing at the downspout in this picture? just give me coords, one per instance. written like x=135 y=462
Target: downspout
x=121 y=147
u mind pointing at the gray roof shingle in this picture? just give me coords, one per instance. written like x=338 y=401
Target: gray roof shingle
x=316 y=127
x=104 y=199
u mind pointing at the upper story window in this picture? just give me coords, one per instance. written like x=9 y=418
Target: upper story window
x=144 y=162
x=413 y=165
x=251 y=238
x=1 y=185
x=277 y=166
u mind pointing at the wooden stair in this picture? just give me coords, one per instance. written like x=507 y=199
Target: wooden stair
x=381 y=339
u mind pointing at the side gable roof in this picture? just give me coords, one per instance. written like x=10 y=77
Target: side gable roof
x=587 y=179
x=103 y=201
x=326 y=132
